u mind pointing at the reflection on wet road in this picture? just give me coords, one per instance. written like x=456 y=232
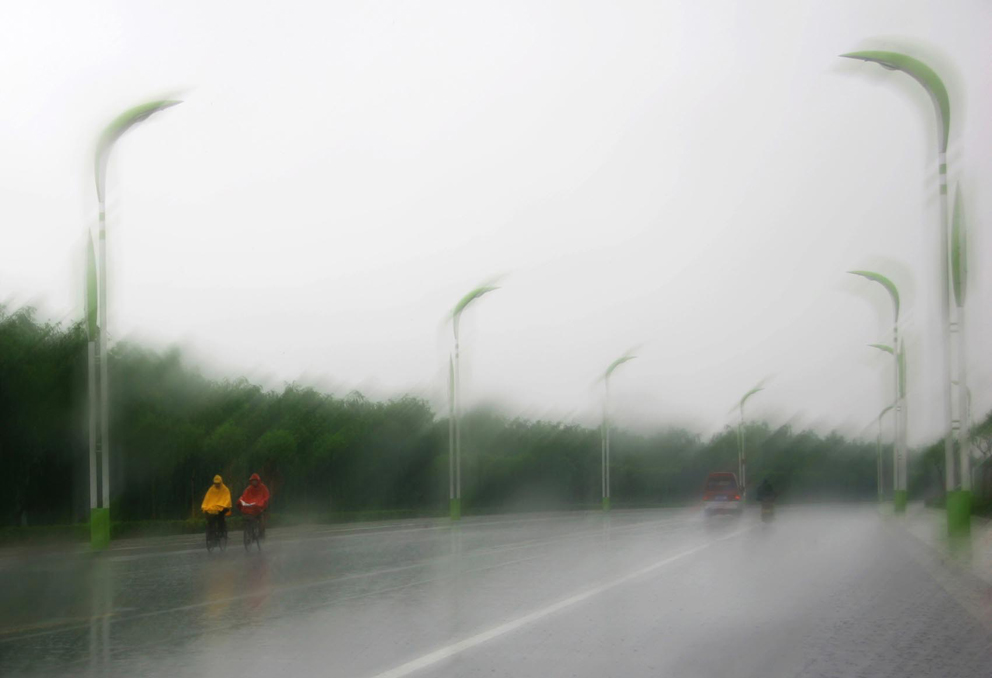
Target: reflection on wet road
x=816 y=592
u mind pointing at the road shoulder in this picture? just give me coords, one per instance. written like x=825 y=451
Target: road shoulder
x=964 y=573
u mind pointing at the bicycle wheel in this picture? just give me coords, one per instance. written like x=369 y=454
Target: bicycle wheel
x=210 y=541
x=247 y=534
x=257 y=534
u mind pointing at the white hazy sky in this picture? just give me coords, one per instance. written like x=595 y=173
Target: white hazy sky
x=690 y=177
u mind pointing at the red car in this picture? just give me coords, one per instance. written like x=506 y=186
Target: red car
x=722 y=494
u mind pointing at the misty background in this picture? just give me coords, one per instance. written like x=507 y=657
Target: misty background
x=691 y=180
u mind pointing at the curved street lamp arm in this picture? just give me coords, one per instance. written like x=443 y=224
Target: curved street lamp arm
x=116 y=129
x=923 y=74
x=470 y=297
x=750 y=393
x=883 y=347
x=884 y=282
x=617 y=363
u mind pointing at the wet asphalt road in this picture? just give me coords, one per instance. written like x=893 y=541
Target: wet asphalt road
x=817 y=592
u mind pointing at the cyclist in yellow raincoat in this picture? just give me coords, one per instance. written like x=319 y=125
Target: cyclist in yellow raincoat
x=217 y=504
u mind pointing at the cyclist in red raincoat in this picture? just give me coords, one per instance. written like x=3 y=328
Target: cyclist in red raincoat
x=255 y=499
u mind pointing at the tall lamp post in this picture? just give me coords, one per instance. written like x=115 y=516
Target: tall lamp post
x=98 y=356
x=455 y=412
x=741 y=440
x=878 y=450
x=952 y=272
x=899 y=485
x=901 y=416
x=959 y=280
x=606 y=426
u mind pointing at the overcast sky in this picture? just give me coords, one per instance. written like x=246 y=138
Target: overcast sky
x=691 y=178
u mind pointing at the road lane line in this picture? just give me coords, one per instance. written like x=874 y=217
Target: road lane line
x=443 y=653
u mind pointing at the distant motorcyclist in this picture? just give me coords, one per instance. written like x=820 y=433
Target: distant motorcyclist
x=255 y=499
x=217 y=504
x=765 y=493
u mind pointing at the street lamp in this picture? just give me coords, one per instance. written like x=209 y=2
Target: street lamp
x=741 y=449
x=899 y=494
x=959 y=280
x=952 y=271
x=455 y=413
x=878 y=450
x=100 y=501
x=606 y=427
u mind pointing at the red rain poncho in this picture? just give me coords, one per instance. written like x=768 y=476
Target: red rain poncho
x=254 y=494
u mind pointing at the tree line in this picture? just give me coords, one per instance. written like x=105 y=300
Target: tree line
x=172 y=429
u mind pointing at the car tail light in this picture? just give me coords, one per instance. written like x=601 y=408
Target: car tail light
x=707 y=497
x=737 y=497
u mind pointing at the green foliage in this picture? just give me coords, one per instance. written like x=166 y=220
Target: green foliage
x=326 y=456
x=981 y=436
x=42 y=415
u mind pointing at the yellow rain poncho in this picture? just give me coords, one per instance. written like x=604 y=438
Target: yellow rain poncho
x=218 y=498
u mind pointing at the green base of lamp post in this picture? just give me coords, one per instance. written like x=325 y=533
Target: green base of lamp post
x=455 y=506
x=899 y=498
x=99 y=528
x=606 y=503
x=959 y=514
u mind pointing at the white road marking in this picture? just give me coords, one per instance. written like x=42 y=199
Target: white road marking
x=501 y=630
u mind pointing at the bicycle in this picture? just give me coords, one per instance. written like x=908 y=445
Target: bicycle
x=252 y=529
x=216 y=537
